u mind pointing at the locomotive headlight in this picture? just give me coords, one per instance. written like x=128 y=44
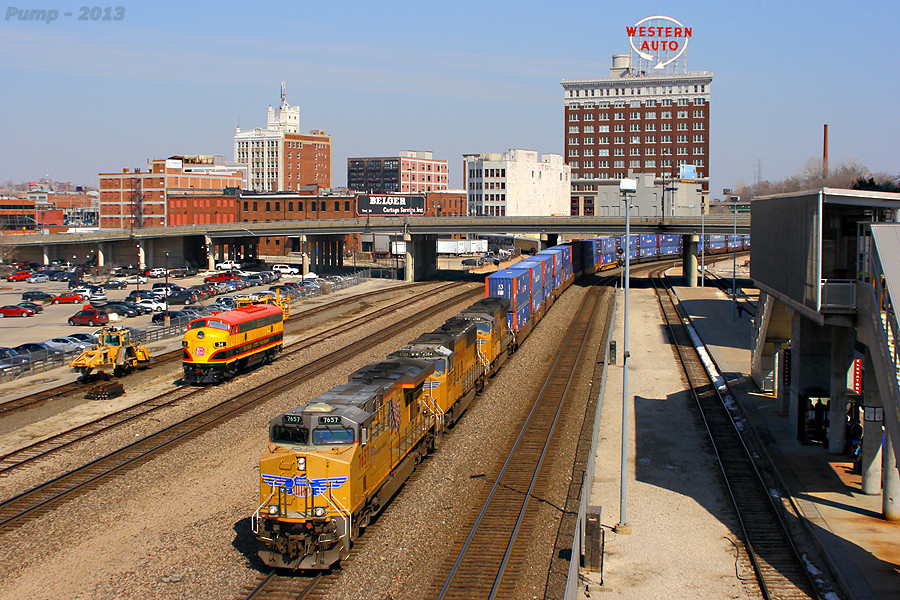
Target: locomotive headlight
x=319 y=511
x=273 y=509
x=301 y=463
x=199 y=335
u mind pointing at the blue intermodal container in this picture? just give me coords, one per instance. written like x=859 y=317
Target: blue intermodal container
x=609 y=258
x=518 y=319
x=717 y=238
x=537 y=299
x=609 y=245
x=668 y=239
x=535 y=273
x=548 y=290
x=566 y=253
x=512 y=285
x=649 y=241
x=669 y=250
x=557 y=258
x=546 y=266
x=648 y=251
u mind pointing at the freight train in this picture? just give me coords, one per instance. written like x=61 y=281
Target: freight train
x=217 y=347
x=334 y=462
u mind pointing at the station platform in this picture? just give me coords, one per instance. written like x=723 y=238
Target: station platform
x=860 y=548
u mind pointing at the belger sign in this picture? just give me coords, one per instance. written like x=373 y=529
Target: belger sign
x=656 y=38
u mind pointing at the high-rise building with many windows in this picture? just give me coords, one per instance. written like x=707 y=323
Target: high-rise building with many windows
x=280 y=157
x=411 y=171
x=648 y=120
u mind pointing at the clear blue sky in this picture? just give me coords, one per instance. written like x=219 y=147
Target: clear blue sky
x=83 y=97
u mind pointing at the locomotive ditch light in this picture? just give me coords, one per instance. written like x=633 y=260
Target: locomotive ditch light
x=301 y=463
x=273 y=509
x=319 y=511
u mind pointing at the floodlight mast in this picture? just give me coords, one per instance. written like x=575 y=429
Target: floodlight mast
x=626 y=186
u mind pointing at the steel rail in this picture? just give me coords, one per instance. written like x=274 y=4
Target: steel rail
x=780 y=571
x=15 y=510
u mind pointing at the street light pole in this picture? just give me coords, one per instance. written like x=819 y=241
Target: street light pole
x=626 y=186
x=702 y=244
x=166 y=318
x=734 y=201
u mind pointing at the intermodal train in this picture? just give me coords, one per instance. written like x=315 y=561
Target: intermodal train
x=217 y=347
x=334 y=462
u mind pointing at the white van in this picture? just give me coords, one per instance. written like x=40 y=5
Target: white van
x=286 y=269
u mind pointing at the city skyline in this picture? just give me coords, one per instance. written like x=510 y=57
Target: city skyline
x=85 y=97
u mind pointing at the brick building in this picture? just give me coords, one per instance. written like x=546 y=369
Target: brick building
x=280 y=157
x=410 y=172
x=445 y=203
x=647 y=120
x=134 y=199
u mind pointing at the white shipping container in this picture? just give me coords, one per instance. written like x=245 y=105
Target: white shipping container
x=462 y=246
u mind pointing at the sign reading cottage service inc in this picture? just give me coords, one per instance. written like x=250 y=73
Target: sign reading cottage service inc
x=389 y=205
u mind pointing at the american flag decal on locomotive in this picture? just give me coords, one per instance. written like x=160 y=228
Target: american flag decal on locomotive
x=394 y=415
x=297 y=485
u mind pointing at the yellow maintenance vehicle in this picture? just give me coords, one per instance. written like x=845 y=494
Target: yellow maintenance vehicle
x=279 y=300
x=115 y=353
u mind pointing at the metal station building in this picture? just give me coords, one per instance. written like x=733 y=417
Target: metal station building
x=826 y=336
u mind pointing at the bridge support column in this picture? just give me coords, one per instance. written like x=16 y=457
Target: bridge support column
x=101 y=254
x=842 y=342
x=142 y=255
x=689 y=259
x=341 y=251
x=210 y=253
x=890 y=498
x=872 y=431
x=46 y=255
x=810 y=365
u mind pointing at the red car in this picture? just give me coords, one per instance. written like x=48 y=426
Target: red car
x=219 y=277
x=19 y=276
x=89 y=316
x=14 y=311
x=67 y=299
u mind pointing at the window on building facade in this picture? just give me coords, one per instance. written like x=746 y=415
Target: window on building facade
x=589 y=140
x=573 y=151
x=603 y=140
x=698 y=137
x=682 y=114
x=619 y=152
x=573 y=128
x=698 y=150
x=635 y=127
x=588 y=151
x=619 y=139
x=573 y=164
x=649 y=164
x=619 y=164
x=683 y=102
x=635 y=139
x=603 y=152
x=700 y=101
x=634 y=164
x=245 y=205
x=254 y=206
x=589 y=129
x=682 y=127
x=604 y=116
x=682 y=152
x=573 y=116
x=588 y=116
x=603 y=164
x=698 y=126
x=619 y=116
x=665 y=127
x=619 y=128
x=278 y=207
x=650 y=151
x=666 y=114
x=699 y=114
x=681 y=139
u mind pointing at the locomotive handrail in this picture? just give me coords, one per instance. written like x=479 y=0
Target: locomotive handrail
x=336 y=504
x=255 y=518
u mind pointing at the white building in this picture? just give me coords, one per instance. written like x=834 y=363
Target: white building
x=516 y=183
x=279 y=157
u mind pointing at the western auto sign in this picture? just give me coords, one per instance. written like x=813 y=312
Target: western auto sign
x=658 y=39
x=389 y=204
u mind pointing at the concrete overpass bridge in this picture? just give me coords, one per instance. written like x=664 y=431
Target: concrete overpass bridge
x=203 y=245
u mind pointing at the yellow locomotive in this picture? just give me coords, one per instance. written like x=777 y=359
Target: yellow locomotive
x=333 y=463
x=217 y=347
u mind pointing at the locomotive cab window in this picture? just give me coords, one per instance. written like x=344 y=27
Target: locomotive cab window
x=197 y=324
x=217 y=325
x=331 y=436
x=285 y=434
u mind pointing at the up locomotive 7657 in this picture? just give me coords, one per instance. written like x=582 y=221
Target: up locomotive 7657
x=334 y=462
x=217 y=347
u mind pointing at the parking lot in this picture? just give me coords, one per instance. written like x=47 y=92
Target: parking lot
x=52 y=321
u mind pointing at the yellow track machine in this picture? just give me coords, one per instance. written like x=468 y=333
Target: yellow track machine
x=116 y=353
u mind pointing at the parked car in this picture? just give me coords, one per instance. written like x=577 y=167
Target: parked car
x=115 y=284
x=89 y=316
x=286 y=269
x=182 y=272
x=87 y=338
x=192 y=312
x=137 y=295
x=67 y=344
x=39 y=351
x=135 y=279
x=19 y=276
x=156 y=272
x=37 y=296
x=68 y=298
x=227 y=265
x=11 y=310
x=141 y=310
x=473 y=262
x=159 y=318
x=12 y=356
x=38 y=278
x=151 y=304
x=98 y=298
x=184 y=297
x=202 y=292
x=224 y=303
x=120 y=309
x=217 y=277
x=32 y=306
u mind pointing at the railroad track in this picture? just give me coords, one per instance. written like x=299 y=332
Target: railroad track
x=38 y=398
x=487 y=563
x=43 y=448
x=274 y=585
x=780 y=572
x=45 y=497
